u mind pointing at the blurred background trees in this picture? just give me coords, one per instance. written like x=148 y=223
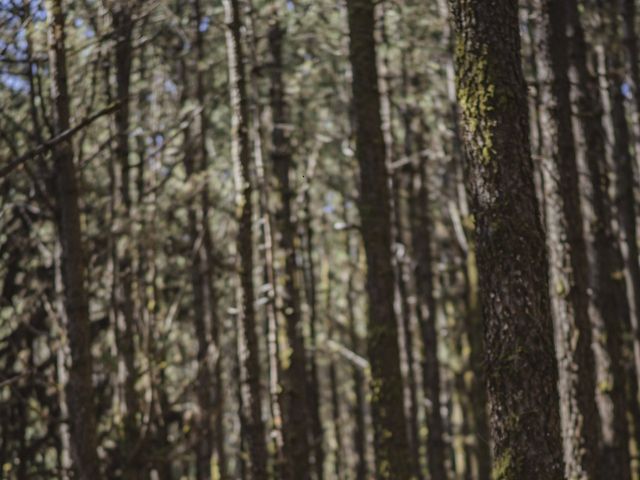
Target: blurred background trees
x=238 y=239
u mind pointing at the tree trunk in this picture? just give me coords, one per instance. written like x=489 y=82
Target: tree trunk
x=360 y=427
x=313 y=388
x=520 y=359
x=241 y=155
x=568 y=263
x=80 y=392
x=122 y=18
x=296 y=370
x=213 y=320
x=392 y=450
x=423 y=271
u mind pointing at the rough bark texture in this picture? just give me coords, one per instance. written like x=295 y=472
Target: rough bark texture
x=608 y=298
x=568 y=263
x=297 y=441
x=80 y=393
x=392 y=450
x=520 y=359
x=241 y=155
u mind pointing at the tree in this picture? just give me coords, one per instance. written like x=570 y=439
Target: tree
x=520 y=358
x=241 y=155
x=76 y=307
x=391 y=446
x=297 y=432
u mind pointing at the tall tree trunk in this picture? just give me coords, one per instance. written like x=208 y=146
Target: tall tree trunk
x=122 y=17
x=241 y=155
x=281 y=157
x=420 y=221
x=520 y=359
x=360 y=427
x=568 y=263
x=392 y=450
x=201 y=309
x=313 y=387
x=214 y=322
x=80 y=392
x=403 y=308
x=607 y=309
x=333 y=336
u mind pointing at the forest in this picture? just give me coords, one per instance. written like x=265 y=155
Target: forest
x=318 y=240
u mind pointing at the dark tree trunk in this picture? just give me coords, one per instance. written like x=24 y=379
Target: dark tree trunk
x=568 y=263
x=212 y=319
x=122 y=17
x=520 y=358
x=241 y=155
x=313 y=388
x=295 y=373
x=80 y=392
x=336 y=415
x=392 y=450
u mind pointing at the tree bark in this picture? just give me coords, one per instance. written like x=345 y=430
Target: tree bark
x=520 y=359
x=282 y=161
x=80 y=392
x=392 y=450
x=241 y=156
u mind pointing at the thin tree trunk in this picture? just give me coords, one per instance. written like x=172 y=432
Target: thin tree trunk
x=398 y=184
x=201 y=309
x=309 y=277
x=360 y=427
x=333 y=336
x=568 y=263
x=122 y=17
x=214 y=322
x=392 y=450
x=512 y=263
x=281 y=158
x=80 y=392
x=421 y=242
x=241 y=155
